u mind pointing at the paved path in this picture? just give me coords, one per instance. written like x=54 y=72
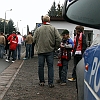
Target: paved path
x=8 y=76
x=8 y=72
x=20 y=82
x=23 y=83
x=4 y=64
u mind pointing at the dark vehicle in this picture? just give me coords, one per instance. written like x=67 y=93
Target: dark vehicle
x=86 y=13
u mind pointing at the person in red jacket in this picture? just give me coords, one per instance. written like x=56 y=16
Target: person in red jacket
x=12 y=48
x=10 y=37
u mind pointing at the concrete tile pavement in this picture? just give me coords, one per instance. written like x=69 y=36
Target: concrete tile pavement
x=8 y=76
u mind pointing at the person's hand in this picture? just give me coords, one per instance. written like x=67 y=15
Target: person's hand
x=8 y=42
x=62 y=46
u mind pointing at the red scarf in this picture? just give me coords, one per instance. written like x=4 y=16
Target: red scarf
x=46 y=23
x=78 y=46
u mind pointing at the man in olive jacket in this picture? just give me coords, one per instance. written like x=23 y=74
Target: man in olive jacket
x=46 y=39
x=29 y=41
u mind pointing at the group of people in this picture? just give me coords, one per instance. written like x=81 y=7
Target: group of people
x=12 y=44
x=47 y=39
x=15 y=42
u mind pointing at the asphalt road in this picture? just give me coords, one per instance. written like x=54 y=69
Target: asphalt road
x=4 y=64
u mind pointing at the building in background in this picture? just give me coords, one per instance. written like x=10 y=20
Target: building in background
x=57 y=20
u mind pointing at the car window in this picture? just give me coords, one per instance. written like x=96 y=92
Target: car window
x=84 y=12
x=96 y=41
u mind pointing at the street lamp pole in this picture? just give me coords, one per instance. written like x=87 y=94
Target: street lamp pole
x=5 y=20
x=22 y=30
x=17 y=25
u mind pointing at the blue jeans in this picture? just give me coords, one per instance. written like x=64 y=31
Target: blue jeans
x=28 y=50
x=49 y=57
x=18 y=51
x=1 y=50
x=63 y=71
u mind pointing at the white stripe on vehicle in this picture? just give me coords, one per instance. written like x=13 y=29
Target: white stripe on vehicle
x=90 y=89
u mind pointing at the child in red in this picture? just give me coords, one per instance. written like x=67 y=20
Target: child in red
x=12 y=48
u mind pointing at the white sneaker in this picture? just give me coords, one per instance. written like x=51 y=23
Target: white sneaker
x=63 y=84
x=72 y=79
x=7 y=60
x=13 y=61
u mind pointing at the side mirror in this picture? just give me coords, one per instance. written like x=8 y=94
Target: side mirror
x=82 y=12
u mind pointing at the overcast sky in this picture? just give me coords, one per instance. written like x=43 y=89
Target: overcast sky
x=28 y=11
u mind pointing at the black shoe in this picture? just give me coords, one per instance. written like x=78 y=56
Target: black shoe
x=41 y=83
x=51 y=85
x=58 y=81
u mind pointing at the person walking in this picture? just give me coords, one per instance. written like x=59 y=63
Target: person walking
x=80 y=46
x=64 y=56
x=32 y=51
x=12 y=48
x=29 y=41
x=46 y=39
x=2 y=44
x=18 y=50
x=7 y=45
x=10 y=38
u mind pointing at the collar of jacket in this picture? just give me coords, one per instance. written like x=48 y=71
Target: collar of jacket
x=46 y=23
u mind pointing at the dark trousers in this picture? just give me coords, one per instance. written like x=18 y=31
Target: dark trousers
x=77 y=58
x=32 y=53
x=13 y=54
